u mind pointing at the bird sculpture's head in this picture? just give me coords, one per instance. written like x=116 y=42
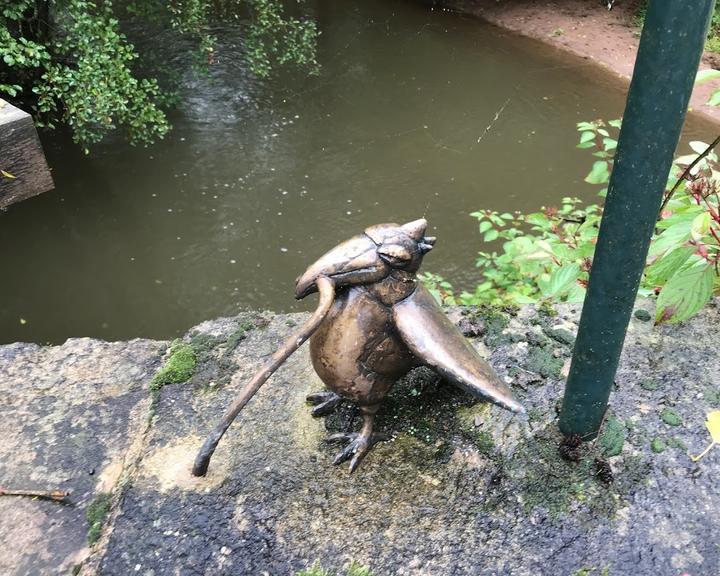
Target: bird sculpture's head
x=370 y=257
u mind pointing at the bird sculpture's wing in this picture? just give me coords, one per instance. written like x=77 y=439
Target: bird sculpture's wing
x=437 y=342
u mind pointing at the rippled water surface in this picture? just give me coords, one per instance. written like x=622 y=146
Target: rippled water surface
x=257 y=179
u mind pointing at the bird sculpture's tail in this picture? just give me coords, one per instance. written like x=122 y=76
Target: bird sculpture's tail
x=326 y=288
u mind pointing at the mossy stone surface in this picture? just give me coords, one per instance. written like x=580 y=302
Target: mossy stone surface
x=461 y=488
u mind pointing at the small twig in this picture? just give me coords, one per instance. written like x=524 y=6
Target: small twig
x=489 y=126
x=55 y=495
x=573 y=220
x=687 y=170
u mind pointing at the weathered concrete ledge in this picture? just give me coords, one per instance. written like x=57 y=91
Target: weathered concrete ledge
x=22 y=159
x=462 y=489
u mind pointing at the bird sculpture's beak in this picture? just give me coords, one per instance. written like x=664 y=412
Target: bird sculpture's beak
x=355 y=261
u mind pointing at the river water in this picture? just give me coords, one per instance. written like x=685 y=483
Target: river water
x=258 y=178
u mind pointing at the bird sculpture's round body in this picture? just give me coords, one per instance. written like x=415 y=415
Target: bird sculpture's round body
x=356 y=351
x=359 y=355
x=374 y=323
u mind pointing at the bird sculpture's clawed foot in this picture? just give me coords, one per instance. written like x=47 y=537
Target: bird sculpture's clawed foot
x=359 y=444
x=324 y=402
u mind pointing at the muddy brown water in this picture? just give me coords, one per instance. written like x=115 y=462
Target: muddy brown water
x=258 y=178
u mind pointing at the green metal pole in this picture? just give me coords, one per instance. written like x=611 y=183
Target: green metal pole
x=670 y=48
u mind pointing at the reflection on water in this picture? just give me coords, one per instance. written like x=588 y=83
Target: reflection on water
x=257 y=179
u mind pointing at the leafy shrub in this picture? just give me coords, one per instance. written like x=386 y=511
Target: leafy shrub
x=70 y=61
x=546 y=256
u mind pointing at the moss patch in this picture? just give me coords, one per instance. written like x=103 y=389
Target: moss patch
x=657 y=445
x=179 y=367
x=354 y=569
x=238 y=336
x=649 y=385
x=315 y=570
x=546 y=309
x=96 y=514
x=468 y=418
x=418 y=405
x=215 y=364
x=424 y=414
x=541 y=361
x=677 y=444
x=643 y=315
x=611 y=440
x=561 y=335
x=540 y=478
x=670 y=417
x=548 y=481
x=495 y=323
x=713 y=396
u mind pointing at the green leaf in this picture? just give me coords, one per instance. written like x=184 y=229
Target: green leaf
x=610 y=143
x=665 y=267
x=576 y=294
x=685 y=160
x=714 y=99
x=706 y=76
x=698 y=146
x=563 y=278
x=674 y=236
x=615 y=123
x=485 y=226
x=686 y=292
x=700 y=225
x=599 y=173
x=587 y=137
x=537 y=219
x=684 y=213
x=490 y=235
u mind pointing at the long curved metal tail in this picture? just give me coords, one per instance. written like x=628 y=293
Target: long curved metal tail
x=326 y=287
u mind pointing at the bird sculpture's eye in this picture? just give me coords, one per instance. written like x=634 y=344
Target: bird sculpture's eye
x=394 y=254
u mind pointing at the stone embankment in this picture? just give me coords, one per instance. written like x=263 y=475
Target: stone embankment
x=463 y=488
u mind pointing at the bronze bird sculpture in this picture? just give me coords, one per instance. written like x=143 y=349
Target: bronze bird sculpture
x=374 y=323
